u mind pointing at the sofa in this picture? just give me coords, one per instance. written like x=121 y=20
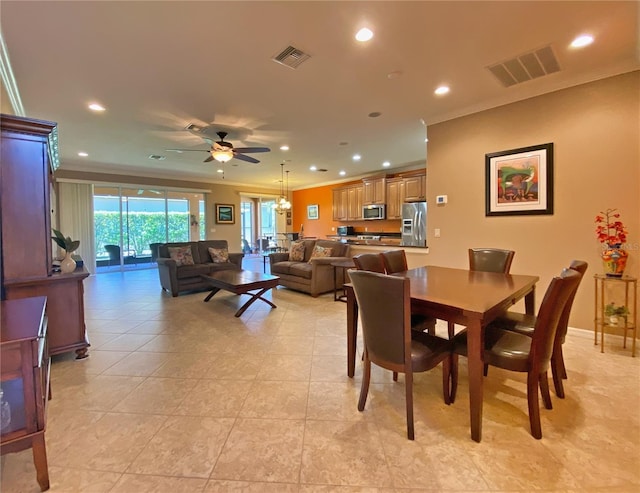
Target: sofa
x=309 y=275
x=186 y=277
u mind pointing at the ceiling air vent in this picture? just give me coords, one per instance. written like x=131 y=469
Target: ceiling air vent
x=526 y=67
x=157 y=157
x=291 y=57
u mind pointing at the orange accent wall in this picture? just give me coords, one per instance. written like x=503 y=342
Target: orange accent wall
x=321 y=227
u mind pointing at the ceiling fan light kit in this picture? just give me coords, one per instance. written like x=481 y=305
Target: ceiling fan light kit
x=222 y=156
x=223 y=151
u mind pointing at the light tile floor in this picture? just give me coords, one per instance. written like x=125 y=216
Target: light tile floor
x=180 y=396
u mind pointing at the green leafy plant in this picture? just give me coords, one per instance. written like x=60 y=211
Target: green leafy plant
x=67 y=243
x=611 y=310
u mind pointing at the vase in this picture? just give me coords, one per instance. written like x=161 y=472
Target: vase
x=67 y=264
x=614 y=260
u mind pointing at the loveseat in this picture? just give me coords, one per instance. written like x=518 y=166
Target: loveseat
x=310 y=275
x=182 y=274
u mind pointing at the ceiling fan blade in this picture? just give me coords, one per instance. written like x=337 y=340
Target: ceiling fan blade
x=251 y=149
x=208 y=160
x=248 y=159
x=187 y=150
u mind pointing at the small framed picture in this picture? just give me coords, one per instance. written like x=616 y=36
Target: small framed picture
x=288 y=222
x=225 y=214
x=312 y=211
x=288 y=214
x=519 y=181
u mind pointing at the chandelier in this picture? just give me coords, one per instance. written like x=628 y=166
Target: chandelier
x=282 y=204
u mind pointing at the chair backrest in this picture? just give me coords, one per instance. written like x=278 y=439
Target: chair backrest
x=394 y=261
x=548 y=317
x=245 y=246
x=154 y=247
x=579 y=266
x=369 y=261
x=490 y=259
x=386 y=320
x=113 y=251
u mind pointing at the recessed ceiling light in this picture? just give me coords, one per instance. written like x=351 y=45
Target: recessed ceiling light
x=83 y=154
x=582 y=40
x=441 y=90
x=394 y=75
x=426 y=140
x=356 y=157
x=220 y=171
x=313 y=167
x=96 y=107
x=284 y=148
x=343 y=143
x=342 y=173
x=374 y=114
x=386 y=164
x=364 y=34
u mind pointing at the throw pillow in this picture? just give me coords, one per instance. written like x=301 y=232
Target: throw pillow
x=219 y=255
x=296 y=252
x=182 y=255
x=319 y=251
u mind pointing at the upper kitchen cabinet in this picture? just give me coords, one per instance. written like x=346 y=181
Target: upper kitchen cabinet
x=395 y=197
x=375 y=191
x=415 y=188
x=347 y=203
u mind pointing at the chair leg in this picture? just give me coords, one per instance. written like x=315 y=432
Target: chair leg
x=366 y=376
x=561 y=363
x=395 y=376
x=532 y=400
x=408 y=387
x=451 y=329
x=454 y=377
x=556 y=372
x=446 y=379
x=544 y=390
x=486 y=369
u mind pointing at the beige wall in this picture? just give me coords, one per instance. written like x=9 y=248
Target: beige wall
x=595 y=130
x=215 y=193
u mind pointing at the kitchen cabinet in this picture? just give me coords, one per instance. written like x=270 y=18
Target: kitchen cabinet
x=28 y=160
x=415 y=188
x=25 y=366
x=395 y=198
x=375 y=191
x=347 y=203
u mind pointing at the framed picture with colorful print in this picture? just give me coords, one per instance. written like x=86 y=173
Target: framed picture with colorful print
x=519 y=181
x=225 y=214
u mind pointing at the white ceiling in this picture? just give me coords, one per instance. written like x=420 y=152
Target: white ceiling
x=158 y=66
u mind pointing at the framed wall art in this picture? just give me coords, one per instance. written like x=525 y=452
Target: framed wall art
x=312 y=211
x=519 y=181
x=225 y=214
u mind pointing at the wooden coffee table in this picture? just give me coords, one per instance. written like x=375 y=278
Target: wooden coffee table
x=242 y=282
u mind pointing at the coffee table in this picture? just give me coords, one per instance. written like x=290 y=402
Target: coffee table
x=242 y=282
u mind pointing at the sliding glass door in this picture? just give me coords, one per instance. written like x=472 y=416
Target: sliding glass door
x=131 y=222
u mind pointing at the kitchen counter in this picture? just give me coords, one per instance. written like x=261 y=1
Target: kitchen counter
x=390 y=240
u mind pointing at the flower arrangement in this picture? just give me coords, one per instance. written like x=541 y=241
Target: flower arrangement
x=611 y=310
x=610 y=230
x=67 y=243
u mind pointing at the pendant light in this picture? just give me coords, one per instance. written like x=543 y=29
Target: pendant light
x=282 y=204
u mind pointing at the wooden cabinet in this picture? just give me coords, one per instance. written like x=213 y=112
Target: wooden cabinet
x=347 y=203
x=395 y=198
x=415 y=188
x=25 y=380
x=28 y=156
x=375 y=191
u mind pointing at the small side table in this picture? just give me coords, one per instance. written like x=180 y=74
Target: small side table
x=601 y=321
x=344 y=265
x=265 y=259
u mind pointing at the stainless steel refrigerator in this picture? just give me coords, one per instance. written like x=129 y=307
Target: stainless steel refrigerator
x=414 y=224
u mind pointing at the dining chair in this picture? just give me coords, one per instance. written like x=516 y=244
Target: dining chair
x=487 y=260
x=396 y=261
x=389 y=341
x=524 y=324
x=114 y=254
x=371 y=262
x=532 y=355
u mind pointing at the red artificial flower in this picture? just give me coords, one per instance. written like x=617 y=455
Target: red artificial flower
x=609 y=229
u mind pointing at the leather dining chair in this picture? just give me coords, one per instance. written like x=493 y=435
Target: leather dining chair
x=487 y=260
x=371 y=262
x=389 y=341
x=517 y=352
x=396 y=261
x=524 y=324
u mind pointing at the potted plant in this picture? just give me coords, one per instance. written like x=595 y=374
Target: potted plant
x=615 y=312
x=612 y=234
x=68 y=264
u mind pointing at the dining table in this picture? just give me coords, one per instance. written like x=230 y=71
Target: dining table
x=469 y=298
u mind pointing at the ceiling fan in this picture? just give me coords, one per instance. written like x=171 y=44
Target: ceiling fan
x=223 y=151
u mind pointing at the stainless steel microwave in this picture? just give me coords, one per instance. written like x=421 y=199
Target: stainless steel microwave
x=370 y=212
